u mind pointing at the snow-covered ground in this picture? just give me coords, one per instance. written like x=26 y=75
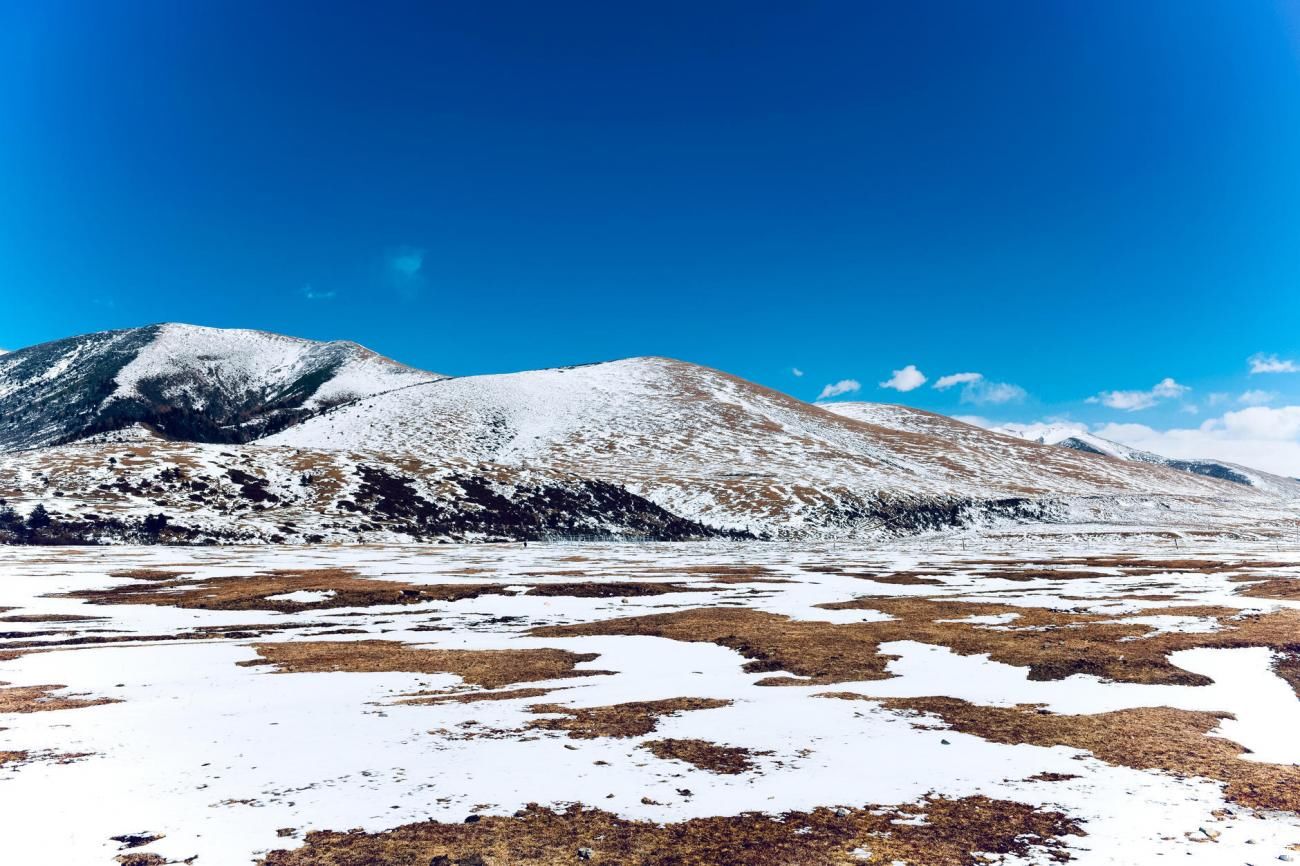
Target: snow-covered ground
x=227 y=761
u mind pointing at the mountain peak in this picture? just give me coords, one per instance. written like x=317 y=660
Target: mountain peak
x=186 y=381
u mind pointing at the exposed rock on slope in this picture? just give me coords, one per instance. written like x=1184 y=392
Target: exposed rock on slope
x=159 y=491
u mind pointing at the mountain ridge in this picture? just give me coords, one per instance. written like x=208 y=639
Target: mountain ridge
x=216 y=432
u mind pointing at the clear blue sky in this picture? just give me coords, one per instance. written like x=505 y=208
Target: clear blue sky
x=1070 y=197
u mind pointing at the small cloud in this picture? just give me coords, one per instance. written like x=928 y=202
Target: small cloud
x=1257 y=397
x=982 y=392
x=1261 y=363
x=406 y=262
x=313 y=294
x=907 y=379
x=1217 y=398
x=1131 y=401
x=405 y=267
x=976 y=389
x=946 y=382
x=796 y=372
x=1167 y=387
x=843 y=386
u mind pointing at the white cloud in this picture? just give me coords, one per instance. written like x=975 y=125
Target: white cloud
x=907 y=379
x=983 y=392
x=314 y=294
x=797 y=372
x=843 y=386
x=1261 y=363
x=1259 y=436
x=1257 y=397
x=946 y=382
x=1131 y=401
x=976 y=389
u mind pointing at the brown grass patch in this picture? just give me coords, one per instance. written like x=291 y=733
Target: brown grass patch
x=50 y=617
x=433 y=698
x=1279 y=588
x=952 y=832
x=490 y=669
x=618 y=589
x=146 y=574
x=251 y=593
x=1051 y=644
x=618 y=720
x=12 y=758
x=36 y=699
x=726 y=760
x=1287 y=666
x=1147 y=738
x=141 y=859
x=347 y=587
x=901 y=578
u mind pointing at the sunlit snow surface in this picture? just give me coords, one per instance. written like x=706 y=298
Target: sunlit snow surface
x=216 y=757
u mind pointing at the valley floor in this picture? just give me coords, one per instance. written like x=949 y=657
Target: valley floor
x=1004 y=699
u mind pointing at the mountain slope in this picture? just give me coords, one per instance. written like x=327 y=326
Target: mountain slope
x=717 y=449
x=1076 y=437
x=151 y=490
x=186 y=382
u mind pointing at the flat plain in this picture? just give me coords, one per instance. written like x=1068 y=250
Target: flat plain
x=1003 y=698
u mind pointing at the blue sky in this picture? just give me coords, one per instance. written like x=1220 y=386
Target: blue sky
x=1071 y=199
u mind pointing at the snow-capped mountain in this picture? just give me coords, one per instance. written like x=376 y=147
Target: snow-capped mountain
x=185 y=382
x=1077 y=437
x=729 y=453
x=213 y=435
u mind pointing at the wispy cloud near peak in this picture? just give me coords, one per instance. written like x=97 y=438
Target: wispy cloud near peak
x=843 y=386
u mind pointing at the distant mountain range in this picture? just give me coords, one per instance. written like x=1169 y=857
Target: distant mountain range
x=182 y=434
x=1072 y=436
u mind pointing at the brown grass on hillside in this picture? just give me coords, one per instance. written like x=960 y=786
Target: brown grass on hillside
x=618 y=720
x=488 y=668
x=955 y=832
